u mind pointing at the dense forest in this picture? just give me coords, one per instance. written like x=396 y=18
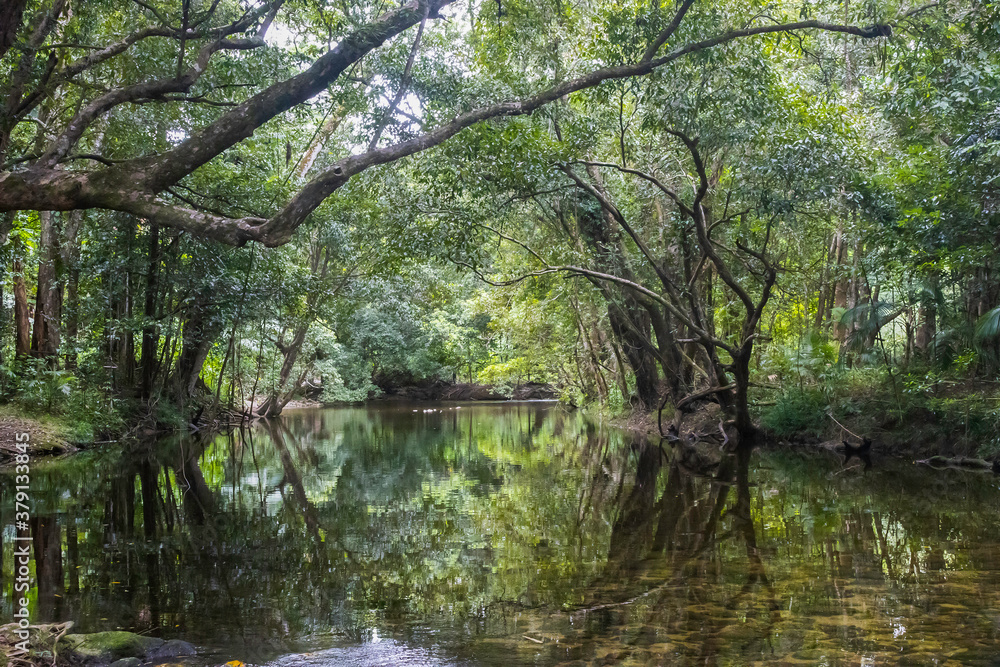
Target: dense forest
x=787 y=209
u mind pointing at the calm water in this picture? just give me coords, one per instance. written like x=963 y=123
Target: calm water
x=511 y=534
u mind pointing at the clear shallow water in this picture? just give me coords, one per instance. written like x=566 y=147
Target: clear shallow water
x=511 y=534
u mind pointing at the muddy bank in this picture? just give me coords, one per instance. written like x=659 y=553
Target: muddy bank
x=21 y=435
x=460 y=391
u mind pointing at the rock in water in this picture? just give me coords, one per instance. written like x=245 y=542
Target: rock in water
x=118 y=648
x=172 y=648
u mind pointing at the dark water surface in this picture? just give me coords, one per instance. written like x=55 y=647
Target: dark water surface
x=510 y=534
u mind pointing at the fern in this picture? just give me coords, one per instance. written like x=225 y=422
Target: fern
x=865 y=321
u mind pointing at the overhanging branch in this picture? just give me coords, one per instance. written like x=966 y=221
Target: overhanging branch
x=132 y=186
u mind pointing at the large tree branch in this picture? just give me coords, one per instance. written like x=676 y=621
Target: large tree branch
x=19 y=109
x=228 y=230
x=131 y=186
x=280 y=228
x=668 y=31
x=235 y=126
x=140 y=91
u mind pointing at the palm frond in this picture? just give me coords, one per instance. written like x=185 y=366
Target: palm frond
x=988 y=327
x=865 y=321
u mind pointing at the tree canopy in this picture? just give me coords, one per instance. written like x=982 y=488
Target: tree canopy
x=210 y=74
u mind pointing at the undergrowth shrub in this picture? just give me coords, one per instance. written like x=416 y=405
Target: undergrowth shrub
x=796 y=412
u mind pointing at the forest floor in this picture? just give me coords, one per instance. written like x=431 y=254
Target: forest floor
x=45 y=436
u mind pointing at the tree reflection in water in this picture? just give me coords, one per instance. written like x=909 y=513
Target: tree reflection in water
x=511 y=534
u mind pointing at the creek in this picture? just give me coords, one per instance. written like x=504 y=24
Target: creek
x=509 y=534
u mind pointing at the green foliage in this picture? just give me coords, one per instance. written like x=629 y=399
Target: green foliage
x=797 y=412
x=810 y=359
x=84 y=410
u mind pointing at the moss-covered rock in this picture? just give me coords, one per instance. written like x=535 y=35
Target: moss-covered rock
x=106 y=647
x=119 y=649
x=115 y=649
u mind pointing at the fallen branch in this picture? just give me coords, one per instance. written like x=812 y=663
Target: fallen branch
x=828 y=414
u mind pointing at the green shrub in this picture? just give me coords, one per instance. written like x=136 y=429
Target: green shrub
x=32 y=388
x=796 y=412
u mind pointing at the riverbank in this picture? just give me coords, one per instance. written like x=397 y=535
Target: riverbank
x=54 y=434
x=39 y=436
x=955 y=421
x=463 y=391
x=437 y=391
x=919 y=421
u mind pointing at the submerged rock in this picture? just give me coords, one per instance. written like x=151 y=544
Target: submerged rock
x=172 y=648
x=120 y=649
x=957 y=462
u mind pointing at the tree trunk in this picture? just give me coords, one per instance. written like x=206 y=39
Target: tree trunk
x=629 y=320
x=200 y=329
x=150 y=337
x=746 y=430
x=279 y=396
x=854 y=288
x=619 y=368
x=841 y=286
x=675 y=370
x=126 y=340
x=48 y=297
x=631 y=325
x=71 y=260
x=823 y=304
x=11 y=13
x=927 y=321
x=22 y=325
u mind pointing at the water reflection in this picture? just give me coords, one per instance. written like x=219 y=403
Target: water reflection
x=512 y=534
